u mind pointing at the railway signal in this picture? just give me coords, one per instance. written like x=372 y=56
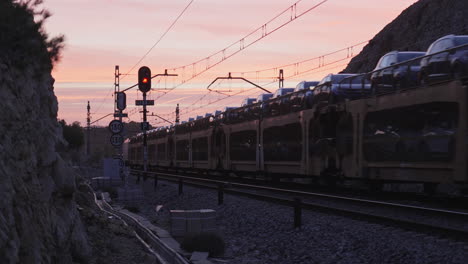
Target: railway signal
x=121 y=101
x=144 y=79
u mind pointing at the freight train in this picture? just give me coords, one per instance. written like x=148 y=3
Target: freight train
x=330 y=133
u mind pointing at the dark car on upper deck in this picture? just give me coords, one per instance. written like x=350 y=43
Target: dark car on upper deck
x=446 y=58
x=302 y=96
x=305 y=85
x=337 y=87
x=387 y=77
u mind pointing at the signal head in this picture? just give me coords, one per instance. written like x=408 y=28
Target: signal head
x=144 y=79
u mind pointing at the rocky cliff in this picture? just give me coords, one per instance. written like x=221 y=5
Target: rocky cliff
x=39 y=221
x=414 y=29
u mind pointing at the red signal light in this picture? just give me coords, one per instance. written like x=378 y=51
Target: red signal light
x=144 y=79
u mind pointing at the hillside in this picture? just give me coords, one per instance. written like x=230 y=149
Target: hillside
x=39 y=220
x=414 y=29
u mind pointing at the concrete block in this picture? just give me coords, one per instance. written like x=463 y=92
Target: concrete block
x=196 y=256
x=194 y=224
x=208 y=220
x=184 y=222
x=178 y=223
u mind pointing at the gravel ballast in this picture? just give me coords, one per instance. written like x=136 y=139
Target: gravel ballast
x=261 y=232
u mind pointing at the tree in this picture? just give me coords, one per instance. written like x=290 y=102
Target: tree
x=73 y=134
x=23 y=36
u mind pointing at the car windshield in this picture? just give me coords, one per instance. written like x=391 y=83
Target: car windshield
x=404 y=56
x=354 y=79
x=264 y=97
x=307 y=85
x=283 y=91
x=461 y=40
x=338 y=77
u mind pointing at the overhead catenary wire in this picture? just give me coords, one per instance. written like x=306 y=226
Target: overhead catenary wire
x=99 y=119
x=322 y=68
x=146 y=54
x=159 y=40
x=190 y=109
x=242 y=44
x=321 y=59
x=263 y=29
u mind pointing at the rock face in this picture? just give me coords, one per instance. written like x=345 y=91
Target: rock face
x=39 y=221
x=415 y=29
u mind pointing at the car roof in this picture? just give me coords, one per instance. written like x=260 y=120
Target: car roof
x=283 y=90
x=248 y=99
x=261 y=97
x=302 y=85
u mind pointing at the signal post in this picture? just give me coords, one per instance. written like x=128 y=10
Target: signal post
x=116 y=126
x=144 y=85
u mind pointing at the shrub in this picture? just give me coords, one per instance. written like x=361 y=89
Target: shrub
x=205 y=242
x=22 y=35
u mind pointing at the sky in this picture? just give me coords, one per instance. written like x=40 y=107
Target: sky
x=105 y=33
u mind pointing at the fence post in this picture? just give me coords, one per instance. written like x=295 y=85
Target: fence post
x=181 y=186
x=297 y=213
x=220 y=194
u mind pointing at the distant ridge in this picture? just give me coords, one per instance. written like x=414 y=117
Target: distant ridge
x=414 y=29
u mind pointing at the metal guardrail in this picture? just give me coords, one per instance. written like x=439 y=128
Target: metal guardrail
x=163 y=253
x=297 y=203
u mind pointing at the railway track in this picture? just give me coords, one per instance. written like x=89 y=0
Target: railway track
x=445 y=223
x=162 y=253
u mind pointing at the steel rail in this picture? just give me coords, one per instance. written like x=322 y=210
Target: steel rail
x=459 y=234
x=313 y=194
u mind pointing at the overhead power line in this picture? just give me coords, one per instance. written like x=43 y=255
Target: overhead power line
x=146 y=54
x=160 y=38
x=349 y=50
x=290 y=14
x=323 y=60
x=99 y=119
x=321 y=68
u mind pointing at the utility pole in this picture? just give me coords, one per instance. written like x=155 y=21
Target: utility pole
x=117 y=109
x=281 y=78
x=116 y=87
x=116 y=126
x=177 y=117
x=88 y=130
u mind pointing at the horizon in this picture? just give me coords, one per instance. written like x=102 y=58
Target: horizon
x=86 y=71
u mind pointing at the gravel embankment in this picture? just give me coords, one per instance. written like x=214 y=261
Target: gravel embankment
x=260 y=232
x=111 y=241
